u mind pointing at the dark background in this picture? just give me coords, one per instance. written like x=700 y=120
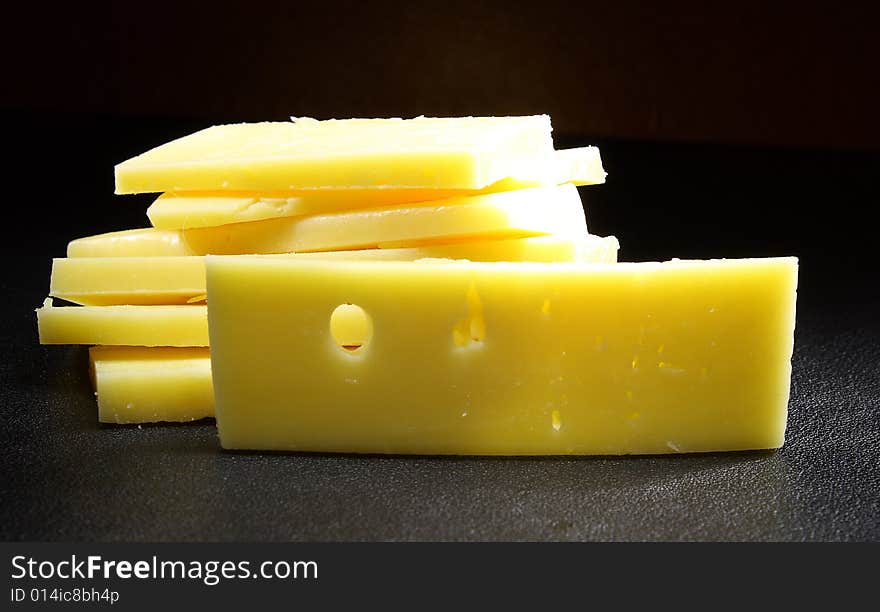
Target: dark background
x=758 y=73
x=727 y=129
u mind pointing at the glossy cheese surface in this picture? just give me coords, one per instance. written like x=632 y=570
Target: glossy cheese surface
x=181 y=280
x=184 y=210
x=503 y=358
x=147 y=385
x=587 y=248
x=436 y=153
x=512 y=214
x=140 y=242
x=99 y=281
x=123 y=325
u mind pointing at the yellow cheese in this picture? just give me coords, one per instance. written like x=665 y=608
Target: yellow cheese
x=123 y=325
x=143 y=385
x=147 y=326
x=100 y=281
x=183 y=210
x=141 y=242
x=587 y=248
x=433 y=153
x=181 y=280
x=525 y=212
x=502 y=358
x=520 y=213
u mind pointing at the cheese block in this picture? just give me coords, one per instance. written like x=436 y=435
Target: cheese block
x=123 y=325
x=423 y=153
x=502 y=358
x=524 y=212
x=181 y=280
x=183 y=210
x=141 y=385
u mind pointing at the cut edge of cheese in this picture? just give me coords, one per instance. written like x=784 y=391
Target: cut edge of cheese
x=512 y=214
x=124 y=325
x=187 y=210
x=504 y=358
x=148 y=385
x=424 y=152
x=139 y=280
x=139 y=242
x=588 y=248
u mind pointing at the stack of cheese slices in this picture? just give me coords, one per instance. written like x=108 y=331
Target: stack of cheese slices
x=479 y=189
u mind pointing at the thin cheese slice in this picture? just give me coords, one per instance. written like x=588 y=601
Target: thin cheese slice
x=101 y=281
x=184 y=210
x=141 y=242
x=185 y=325
x=145 y=385
x=145 y=326
x=502 y=358
x=181 y=280
x=593 y=249
x=512 y=214
x=422 y=153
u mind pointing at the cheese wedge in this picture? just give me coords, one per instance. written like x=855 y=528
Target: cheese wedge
x=502 y=358
x=512 y=214
x=123 y=325
x=142 y=385
x=181 y=280
x=422 y=153
x=183 y=210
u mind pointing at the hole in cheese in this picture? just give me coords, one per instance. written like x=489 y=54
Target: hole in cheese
x=472 y=328
x=351 y=327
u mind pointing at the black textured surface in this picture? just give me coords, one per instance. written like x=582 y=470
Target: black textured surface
x=65 y=477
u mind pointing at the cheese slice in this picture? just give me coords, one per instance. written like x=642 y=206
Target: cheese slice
x=502 y=358
x=423 y=153
x=101 y=281
x=181 y=280
x=512 y=214
x=183 y=210
x=123 y=325
x=147 y=326
x=589 y=248
x=143 y=385
x=140 y=242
